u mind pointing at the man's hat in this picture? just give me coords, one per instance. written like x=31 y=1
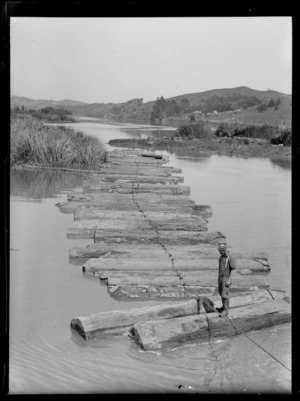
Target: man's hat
x=222 y=247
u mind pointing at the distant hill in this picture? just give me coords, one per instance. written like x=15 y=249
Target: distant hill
x=41 y=103
x=180 y=107
x=240 y=90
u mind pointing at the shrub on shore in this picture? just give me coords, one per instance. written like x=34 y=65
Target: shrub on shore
x=284 y=138
x=273 y=134
x=34 y=143
x=190 y=131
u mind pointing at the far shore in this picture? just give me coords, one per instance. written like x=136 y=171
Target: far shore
x=238 y=147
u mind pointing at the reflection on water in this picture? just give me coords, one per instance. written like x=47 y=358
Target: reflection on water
x=36 y=184
x=148 y=133
x=285 y=164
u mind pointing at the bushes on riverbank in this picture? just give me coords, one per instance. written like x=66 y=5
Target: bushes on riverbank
x=34 y=143
x=197 y=130
x=270 y=133
x=284 y=138
x=49 y=114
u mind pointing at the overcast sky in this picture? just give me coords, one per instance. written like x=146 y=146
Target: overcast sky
x=118 y=59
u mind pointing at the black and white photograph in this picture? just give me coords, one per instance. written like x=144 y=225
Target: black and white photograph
x=150 y=205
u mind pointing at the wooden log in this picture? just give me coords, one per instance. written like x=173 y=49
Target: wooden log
x=139 y=222
x=145 y=292
x=211 y=251
x=92 y=185
x=133 y=158
x=157 y=219
x=138 y=153
x=250 y=317
x=165 y=237
x=138 y=169
x=125 y=187
x=187 y=268
x=203 y=210
x=151 y=336
x=238 y=299
x=120 y=321
x=186 y=252
x=157 y=199
x=164 y=277
x=159 y=334
x=70 y=207
x=133 y=162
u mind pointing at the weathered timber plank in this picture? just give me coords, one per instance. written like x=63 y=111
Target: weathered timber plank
x=157 y=199
x=144 y=162
x=186 y=252
x=188 y=268
x=190 y=278
x=150 y=335
x=165 y=237
x=117 y=158
x=140 y=223
x=93 y=185
x=238 y=299
x=159 y=217
x=138 y=169
x=203 y=210
x=158 y=334
x=250 y=317
x=211 y=251
x=118 y=321
x=134 y=158
x=70 y=207
x=145 y=292
x=126 y=187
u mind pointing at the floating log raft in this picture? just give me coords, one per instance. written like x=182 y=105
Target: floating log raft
x=151 y=241
x=122 y=321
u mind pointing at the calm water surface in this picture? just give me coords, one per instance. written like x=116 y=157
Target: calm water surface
x=251 y=201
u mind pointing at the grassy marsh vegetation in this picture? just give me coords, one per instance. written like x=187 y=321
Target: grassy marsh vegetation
x=49 y=114
x=196 y=139
x=272 y=133
x=33 y=143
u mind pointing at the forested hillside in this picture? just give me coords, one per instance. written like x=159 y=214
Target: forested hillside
x=241 y=104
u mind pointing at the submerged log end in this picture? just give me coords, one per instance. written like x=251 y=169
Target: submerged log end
x=82 y=233
x=76 y=324
x=203 y=210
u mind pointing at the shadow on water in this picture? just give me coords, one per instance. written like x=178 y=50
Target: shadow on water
x=285 y=164
x=38 y=184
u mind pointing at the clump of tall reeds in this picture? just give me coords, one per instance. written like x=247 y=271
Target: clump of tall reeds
x=284 y=138
x=271 y=133
x=34 y=143
x=197 y=130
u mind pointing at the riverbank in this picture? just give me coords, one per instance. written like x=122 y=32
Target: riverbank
x=34 y=143
x=239 y=147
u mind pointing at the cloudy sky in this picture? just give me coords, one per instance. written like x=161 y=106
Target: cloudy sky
x=118 y=59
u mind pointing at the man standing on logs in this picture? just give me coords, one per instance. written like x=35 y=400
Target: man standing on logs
x=227 y=265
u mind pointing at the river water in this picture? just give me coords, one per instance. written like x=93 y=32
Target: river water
x=251 y=202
